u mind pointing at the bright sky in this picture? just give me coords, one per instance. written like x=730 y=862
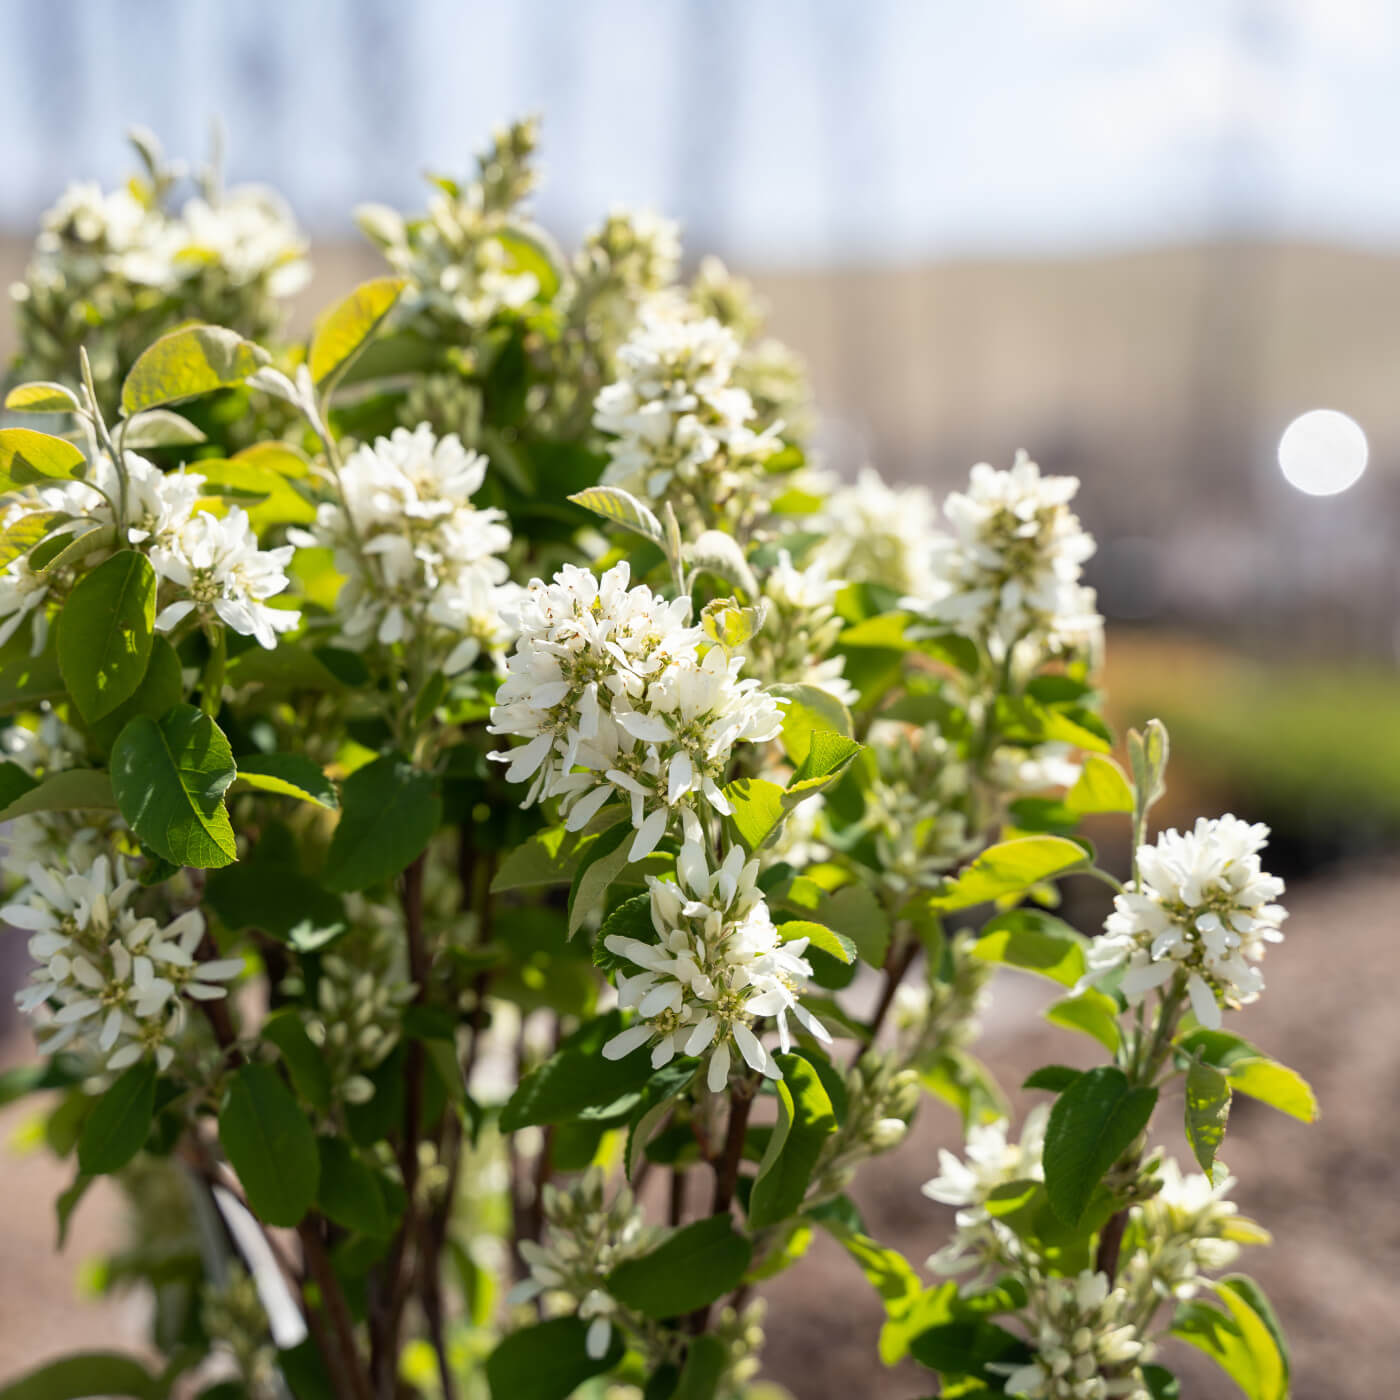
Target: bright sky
x=778 y=130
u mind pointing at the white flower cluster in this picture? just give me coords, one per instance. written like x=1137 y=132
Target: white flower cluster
x=1082 y=1343
x=113 y=980
x=47 y=838
x=793 y=647
x=455 y=258
x=423 y=565
x=1183 y=1231
x=112 y=269
x=881 y=534
x=587 y=1239
x=674 y=413
x=216 y=567
x=1009 y=570
x=632 y=253
x=1201 y=905
x=916 y=806
x=717 y=967
x=609 y=687
x=992 y=1160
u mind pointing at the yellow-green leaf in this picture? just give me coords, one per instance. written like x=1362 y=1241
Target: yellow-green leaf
x=1101 y=786
x=343 y=331
x=186 y=363
x=27 y=457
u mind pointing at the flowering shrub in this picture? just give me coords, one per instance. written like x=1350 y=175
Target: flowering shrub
x=524 y=779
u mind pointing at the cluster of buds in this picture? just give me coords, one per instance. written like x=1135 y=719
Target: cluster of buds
x=587 y=1237
x=882 y=1097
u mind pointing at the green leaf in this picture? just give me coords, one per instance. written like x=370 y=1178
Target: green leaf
x=631 y=919
x=1242 y=1294
x=349 y=1192
x=1091 y=1011
x=888 y=1271
x=824 y=760
x=344 y=330
x=117 y=1126
x=705 y=1365
x=809 y=711
x=306 y=1064
x=71 y=545
x=1034 y=942
x=170 y=778
x=547 y=1361
x=14 y=783
x=806 y=1119
x=271 y=1145
x=1274 y=1084
x=161 y=689
x=1092 y=1124
x=67 y=1202
x=601 y=863
x=1161 y=1384
x=968 y=1347
x=714 y=552
x=72 y=790
x=289 y=774
x=552 y=856
x=27 y=457
x=41 y=396
x=1207 y=1111
x=274 y=897
x=390 y=810
x=1102 y=786
x=687 y=1271
x=621 y=508
x=1010 y=868
x=1238 y=1340
x=577 y=1082
x=758 y=810
x=818 y=936
x=105 y=632
x=87 y=1374
x=186 y=363
x=159 y=427
x=657 y=1100
x=854 y=912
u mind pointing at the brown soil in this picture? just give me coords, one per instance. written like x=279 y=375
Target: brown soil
x=1327 y=1191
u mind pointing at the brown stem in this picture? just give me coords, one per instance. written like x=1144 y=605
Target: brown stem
x=343 y=1357
x=1110 y=1242
x=679 y=1180
x=896 y=969
x=727 y=1171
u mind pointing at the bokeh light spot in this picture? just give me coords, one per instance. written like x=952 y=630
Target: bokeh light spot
x=1323 y=452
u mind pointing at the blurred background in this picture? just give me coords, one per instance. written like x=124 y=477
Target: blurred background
x=1138 y=237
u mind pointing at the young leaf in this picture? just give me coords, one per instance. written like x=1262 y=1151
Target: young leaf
x=657 y=1098
x=631 y=919
x=1207 y=1111
x=1055 y=1078
x=1238 y=1341
x=621 y=508
x=602 y=862
x=688 y=1270
x=71 y=790
x=547 y=1361
x=805 y=1120
x=714 y=552
x=1010 y=868
x=271 y=1145
x=344 y=330
x=820 y=937
x=1101 y=786
x=170 y=778
x=808 y=711
x=105 y=633
x=159 y=427
x=1091 y=1011
x=289 y=774
x=1092 y=1124
x=27 y=457
x=757 y=809
x=117 y=1126
x=41 y=396
x=1274 y=1084
x=186 y=363
x=390 y=810
x=824 y=760
x=1034 y=942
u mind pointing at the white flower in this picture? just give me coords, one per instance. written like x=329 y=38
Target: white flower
x=1078 y=1333
x=1202 y=905
x=224 y=575
x=717 y=969
x=1182 y=1232
x=250 y=234
x=991 y=1160
x=673 y=412
x=24 y=596
x=794 y=644
x=877 y=533
x=1009 y=571
x=423 y=565
x=112 y=980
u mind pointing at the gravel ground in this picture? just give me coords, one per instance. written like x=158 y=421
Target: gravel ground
x=1327 y=1191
